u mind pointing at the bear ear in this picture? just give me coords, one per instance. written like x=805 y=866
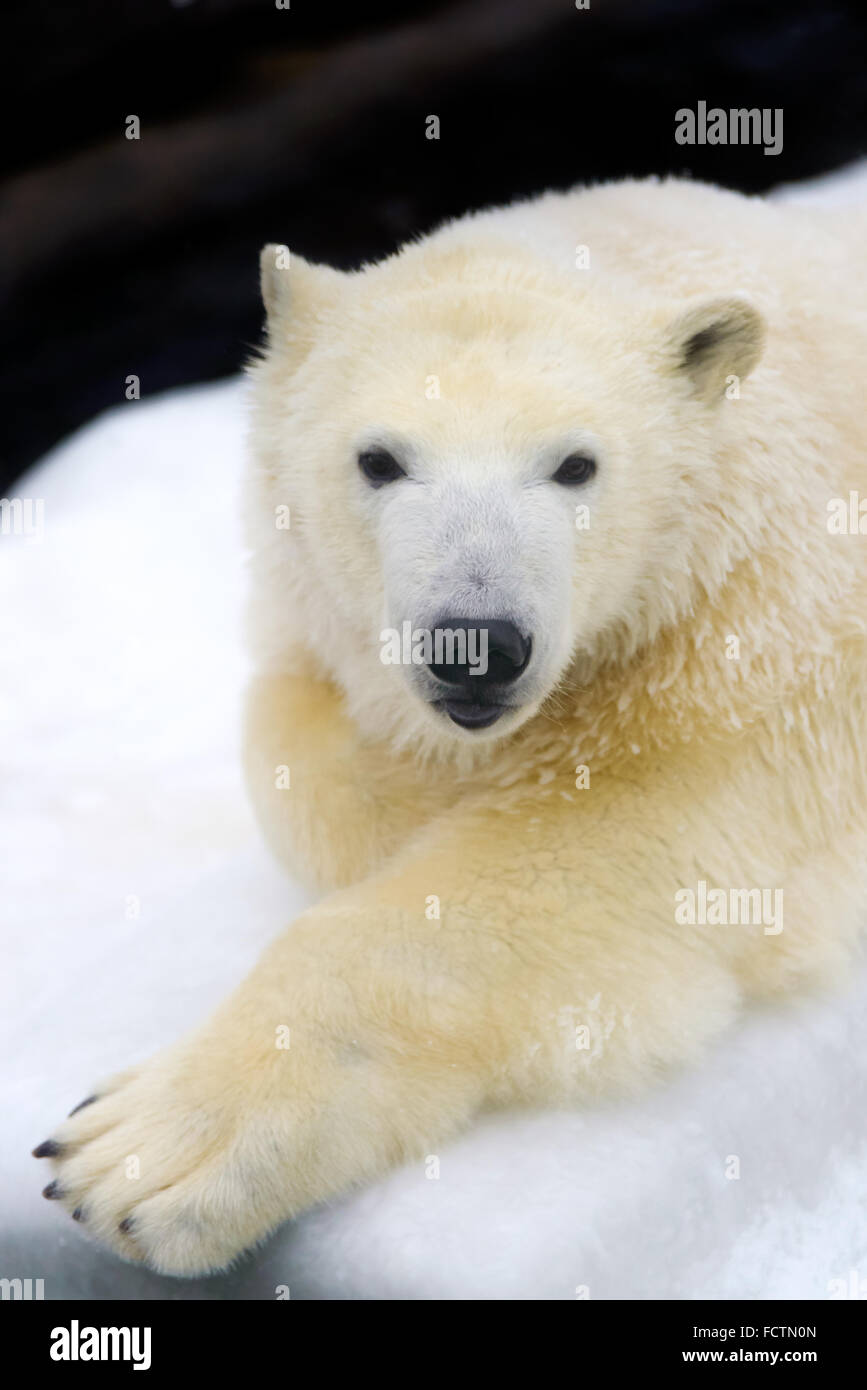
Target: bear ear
x=294 y=291
x=714 y=340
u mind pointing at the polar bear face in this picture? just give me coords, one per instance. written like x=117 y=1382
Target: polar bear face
x=486 y=481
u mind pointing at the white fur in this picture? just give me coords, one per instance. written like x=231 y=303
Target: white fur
x=627 y=1197
x=708 y=520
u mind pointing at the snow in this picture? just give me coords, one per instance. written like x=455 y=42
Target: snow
x=136 y=891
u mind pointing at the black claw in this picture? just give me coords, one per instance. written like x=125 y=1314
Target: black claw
x=78 y=1215
x=52 y=1191
x=49 y=1148
x=82 y=1104
x=126 y=1225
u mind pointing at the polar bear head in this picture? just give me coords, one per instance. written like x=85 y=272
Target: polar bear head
x=473 y=481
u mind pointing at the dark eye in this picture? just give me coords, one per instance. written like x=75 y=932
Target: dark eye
x=577 y=468
x=379 y=467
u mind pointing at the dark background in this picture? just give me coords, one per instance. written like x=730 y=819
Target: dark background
x=307 y=126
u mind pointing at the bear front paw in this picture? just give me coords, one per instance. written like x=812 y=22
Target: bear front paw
x=156 y=1167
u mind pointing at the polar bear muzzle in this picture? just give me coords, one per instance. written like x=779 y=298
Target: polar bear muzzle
x=475 y=662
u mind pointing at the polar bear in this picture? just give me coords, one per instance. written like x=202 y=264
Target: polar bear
x=616 y=437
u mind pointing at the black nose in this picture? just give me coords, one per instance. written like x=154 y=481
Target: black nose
x=459 y=657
